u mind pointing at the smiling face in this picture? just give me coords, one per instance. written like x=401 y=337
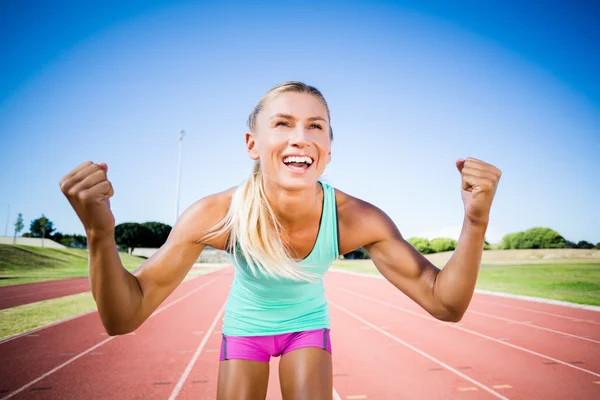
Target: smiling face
x=291 y=138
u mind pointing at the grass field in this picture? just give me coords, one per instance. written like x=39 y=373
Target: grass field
x=566 y=275
x=26 y=264
x=23 y=318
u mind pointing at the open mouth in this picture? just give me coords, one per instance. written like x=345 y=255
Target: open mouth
x=298 y=163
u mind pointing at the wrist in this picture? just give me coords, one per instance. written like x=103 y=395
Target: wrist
x=97 y=238
x=476 y=226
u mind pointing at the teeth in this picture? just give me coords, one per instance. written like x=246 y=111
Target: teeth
x=297 y=159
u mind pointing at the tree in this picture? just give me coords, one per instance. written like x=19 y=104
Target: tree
x=131 y=235
x=438 y=245
x=18 y=227
x=421 y=245
x=160 y=233
x=534 y=238
x=41 y=227
x=582 y=244
x=597 y=246
x=77 y=241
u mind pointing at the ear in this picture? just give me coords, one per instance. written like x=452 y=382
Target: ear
x=329 y=157
x=251 y=146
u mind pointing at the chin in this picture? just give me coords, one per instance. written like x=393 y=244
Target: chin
x=295 y=183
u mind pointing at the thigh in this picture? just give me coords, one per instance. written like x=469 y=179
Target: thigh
x=242 y=380
x=306 y=373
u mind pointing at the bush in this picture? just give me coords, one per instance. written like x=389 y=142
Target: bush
x=584 y=245
x=131 y=235
x=421 y=244
x=534 y=238
x=438 y=245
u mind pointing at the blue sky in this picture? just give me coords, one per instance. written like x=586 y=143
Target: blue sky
x=412 y=85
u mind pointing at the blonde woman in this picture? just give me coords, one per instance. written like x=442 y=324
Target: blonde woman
x=283 y=228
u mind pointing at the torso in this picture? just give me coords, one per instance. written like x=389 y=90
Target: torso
x=352 y=217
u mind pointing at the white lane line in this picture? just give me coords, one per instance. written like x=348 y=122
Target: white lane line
x=540 y=300
x=435 y=360
x=69 y=361
x=455 y=326
x=490 y=293
x=336 y=396
x=536 y=311
x=190 y=365
x=8 y=339
x=529 y=324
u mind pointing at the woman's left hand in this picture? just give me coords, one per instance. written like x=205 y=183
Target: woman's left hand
x=479 y=183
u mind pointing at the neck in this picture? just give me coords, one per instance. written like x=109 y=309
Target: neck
x=294 y=208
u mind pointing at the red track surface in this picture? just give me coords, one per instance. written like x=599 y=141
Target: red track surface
x=385 y=347
x=12 y=296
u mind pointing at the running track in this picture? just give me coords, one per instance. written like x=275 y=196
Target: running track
x=385 y=347
x=16 y=295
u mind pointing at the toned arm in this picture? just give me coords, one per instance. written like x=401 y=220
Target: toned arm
x=445 y=294
x=124 y=299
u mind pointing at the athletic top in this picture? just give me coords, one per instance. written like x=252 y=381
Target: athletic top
x=261 y=305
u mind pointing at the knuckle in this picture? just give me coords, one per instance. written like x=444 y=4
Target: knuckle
x=83 y=196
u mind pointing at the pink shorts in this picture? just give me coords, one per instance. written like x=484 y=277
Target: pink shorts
x=262 y=348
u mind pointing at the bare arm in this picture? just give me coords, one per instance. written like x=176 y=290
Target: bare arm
x=124 y=299
x=445 y=294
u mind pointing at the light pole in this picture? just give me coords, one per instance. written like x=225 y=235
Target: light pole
x=181 y=135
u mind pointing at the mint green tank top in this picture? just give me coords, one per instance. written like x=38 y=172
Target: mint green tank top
x=261 y=305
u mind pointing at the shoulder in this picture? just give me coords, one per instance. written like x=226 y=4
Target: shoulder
x=198 y=219
x=361 y=223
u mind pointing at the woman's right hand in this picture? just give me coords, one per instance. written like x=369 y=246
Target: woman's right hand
x=88 y=190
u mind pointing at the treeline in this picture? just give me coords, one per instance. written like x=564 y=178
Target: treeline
x=128 y=235
x=534 y=238
x=436 y=245
x=132 y=235
x=542 y=238
x=44 y=228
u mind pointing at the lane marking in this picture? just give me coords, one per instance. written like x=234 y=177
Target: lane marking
x=538 y=312
x=467 y=389
x=529 y=324
x=491 y=293
x=449 y=324
x=8 y=339
x=597 y=382
x=336 y=396
x=108 y=339
x=505 y=386
x=435 y=360
x=190 y=365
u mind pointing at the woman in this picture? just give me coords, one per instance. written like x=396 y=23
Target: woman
x=283 y=228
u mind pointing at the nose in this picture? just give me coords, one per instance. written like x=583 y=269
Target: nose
x=299 y=137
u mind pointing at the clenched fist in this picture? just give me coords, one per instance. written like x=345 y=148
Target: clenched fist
x=479 y=183
x=88 y=190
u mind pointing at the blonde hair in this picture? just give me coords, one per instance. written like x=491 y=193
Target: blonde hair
x=254 y=230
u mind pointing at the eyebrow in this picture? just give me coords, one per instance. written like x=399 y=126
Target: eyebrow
x=287 y=116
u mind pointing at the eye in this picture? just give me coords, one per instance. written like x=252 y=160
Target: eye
x=316 y=126
x=281 y=123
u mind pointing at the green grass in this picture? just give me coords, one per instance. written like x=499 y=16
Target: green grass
x=23 y=318
x=572 y=282
x=26 y=264
x=576 y=283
